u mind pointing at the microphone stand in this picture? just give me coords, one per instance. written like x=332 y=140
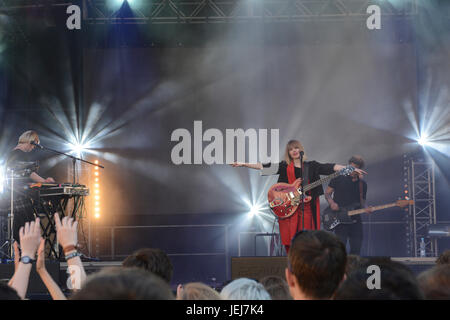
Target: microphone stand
x=74 y=162
x=302 y=204
x=74 y=159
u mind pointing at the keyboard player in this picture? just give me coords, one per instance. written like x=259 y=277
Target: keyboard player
x=23 y=200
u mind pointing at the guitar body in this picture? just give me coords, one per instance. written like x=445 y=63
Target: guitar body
x=284 y=199
x=331 y=219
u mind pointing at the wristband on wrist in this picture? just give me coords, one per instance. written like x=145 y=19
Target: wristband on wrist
x=66 y=253
x=69 y=248
x=72 y=255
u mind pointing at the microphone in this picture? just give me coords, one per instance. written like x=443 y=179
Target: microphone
x=301 y=154
x=36 y=145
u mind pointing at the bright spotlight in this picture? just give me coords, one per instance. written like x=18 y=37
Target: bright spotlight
x=78 y=148
x=254 y=210
x=423 y=141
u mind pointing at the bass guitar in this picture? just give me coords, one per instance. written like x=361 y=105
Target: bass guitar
x=331 y=218
x=284 y=198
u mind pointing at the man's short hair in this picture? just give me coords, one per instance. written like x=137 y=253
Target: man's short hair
x=317 y=259
x=435 y=282
x=444 y=258
x=397 y=282
x=153 y=260
x=277 y=287
x=354 y=262
x=124 y=284
x=358 y=160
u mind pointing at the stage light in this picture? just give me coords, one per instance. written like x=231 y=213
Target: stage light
x=254 y=210
x=96 y=192
x=117 y=4
x=423 y=141
x=78 y=148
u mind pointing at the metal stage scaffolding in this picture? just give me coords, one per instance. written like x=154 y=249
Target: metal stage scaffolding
x=420 y=184
x=221 y=11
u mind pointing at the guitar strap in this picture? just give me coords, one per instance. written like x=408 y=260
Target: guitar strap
x=305 y=172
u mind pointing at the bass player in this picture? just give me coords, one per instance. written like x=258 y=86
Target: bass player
x=344 y=191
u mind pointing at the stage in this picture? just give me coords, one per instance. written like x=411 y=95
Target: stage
x=167 y=124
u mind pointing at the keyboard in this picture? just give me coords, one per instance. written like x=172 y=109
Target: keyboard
x=64 y=189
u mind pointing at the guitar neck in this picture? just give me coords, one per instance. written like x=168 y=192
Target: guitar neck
x=376 y=208
x=321 y=181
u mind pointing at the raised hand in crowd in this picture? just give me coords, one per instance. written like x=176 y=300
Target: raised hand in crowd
x=16 y=260
x=67 y=236
x=51 y=285
x=30 y=238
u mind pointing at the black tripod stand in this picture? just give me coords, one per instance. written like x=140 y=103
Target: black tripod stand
x=19 y=172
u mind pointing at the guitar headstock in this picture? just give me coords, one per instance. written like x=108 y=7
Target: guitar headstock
x=404 y=203
x=347 y=170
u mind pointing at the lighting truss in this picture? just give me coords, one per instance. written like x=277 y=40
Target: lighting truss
x=224 y=11
x=421 y=176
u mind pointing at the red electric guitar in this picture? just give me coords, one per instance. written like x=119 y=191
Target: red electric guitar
x=284 y=198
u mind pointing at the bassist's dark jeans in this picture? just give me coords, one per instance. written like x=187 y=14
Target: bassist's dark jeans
x=353 y=233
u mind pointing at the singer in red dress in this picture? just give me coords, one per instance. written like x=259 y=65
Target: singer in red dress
x=289 y=170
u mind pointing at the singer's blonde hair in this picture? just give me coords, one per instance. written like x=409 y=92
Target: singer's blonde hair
x=290 y=145
x=28 y=137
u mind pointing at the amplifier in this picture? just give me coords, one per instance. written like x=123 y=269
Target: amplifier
x=258 y=267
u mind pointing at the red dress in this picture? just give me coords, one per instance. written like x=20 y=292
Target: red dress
x=290 y=226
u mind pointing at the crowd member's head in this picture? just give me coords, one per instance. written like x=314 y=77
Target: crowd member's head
x=444 y=258
x=153 y=260
x=316 y=265
x=124 y=284
x=354 y=262
x=26 y=139
x=197 y=291
x=244 y=289
x=396 y=282
x=8 y=293
x=276 y=287
x=435 y=282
